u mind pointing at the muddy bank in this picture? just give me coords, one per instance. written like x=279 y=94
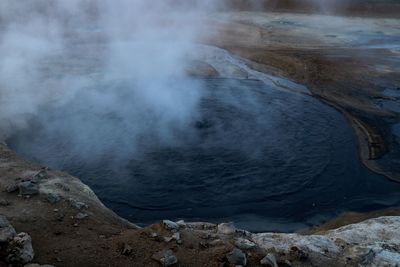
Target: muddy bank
x=68 y=226
x=347 y=62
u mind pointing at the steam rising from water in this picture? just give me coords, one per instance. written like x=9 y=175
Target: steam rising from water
x=53 y=51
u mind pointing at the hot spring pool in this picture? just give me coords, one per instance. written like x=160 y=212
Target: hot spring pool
x=263 y=158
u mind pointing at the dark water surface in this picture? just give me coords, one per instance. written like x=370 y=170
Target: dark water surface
x=263 y=158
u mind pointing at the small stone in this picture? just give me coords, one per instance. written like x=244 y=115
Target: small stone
x=226 y=228
x=12 y=188
x=20 y=249
x=269 y=260
x=77 y=204
x=244 y=244
x=165 y=258
x=237 y=257
x=28 y=188
x=153 y=235
x=167 y=239
x=81 y=216
x=127 y=250
x=4 y=202
x=53 y=198
x=76 y=225
x=170 y=225
x=56 y=210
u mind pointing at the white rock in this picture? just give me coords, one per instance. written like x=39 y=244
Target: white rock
x=244 y=244
x=226 y=228
x=170 y=225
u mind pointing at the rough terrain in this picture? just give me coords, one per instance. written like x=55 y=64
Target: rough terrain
x=49 y=217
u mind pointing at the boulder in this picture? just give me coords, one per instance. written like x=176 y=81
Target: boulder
x=28 y=188
x=244 y=244
x=7 y=231
x=20 y=250
x=226 y=228
x=170 y=225
x=237 y=257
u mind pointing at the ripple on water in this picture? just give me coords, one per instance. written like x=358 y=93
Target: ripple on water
x=267 y=159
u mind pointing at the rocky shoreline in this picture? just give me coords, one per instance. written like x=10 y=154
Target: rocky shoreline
x=61 y=222
x=340 y=70
x=49 y=217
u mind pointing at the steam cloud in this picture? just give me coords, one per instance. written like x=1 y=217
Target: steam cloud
x=93 y=56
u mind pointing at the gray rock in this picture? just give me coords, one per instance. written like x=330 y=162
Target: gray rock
x=77 y=204
x=53 y=198
x=7 y=231
x=28 y=188
x=170 y=225
x=165 y=258
x=81 y=216
x=127 y=250
x=12 y=188
x=237 y=257
x=20 y=249
x=4 y=222
x=226 y=228
x=4 y=202
x=176 y=236
x=269 y=260
x=181 y=223
x=42 y=174
x=244 y=244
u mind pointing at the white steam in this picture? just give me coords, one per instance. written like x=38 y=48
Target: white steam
x=55 y=52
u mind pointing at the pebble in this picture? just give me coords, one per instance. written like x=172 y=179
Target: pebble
x=165 y=258
x=269 y=260
x=81 y=216
x=226 y=228
x=237 y=257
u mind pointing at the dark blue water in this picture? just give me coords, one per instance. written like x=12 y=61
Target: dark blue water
x=263 y=158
